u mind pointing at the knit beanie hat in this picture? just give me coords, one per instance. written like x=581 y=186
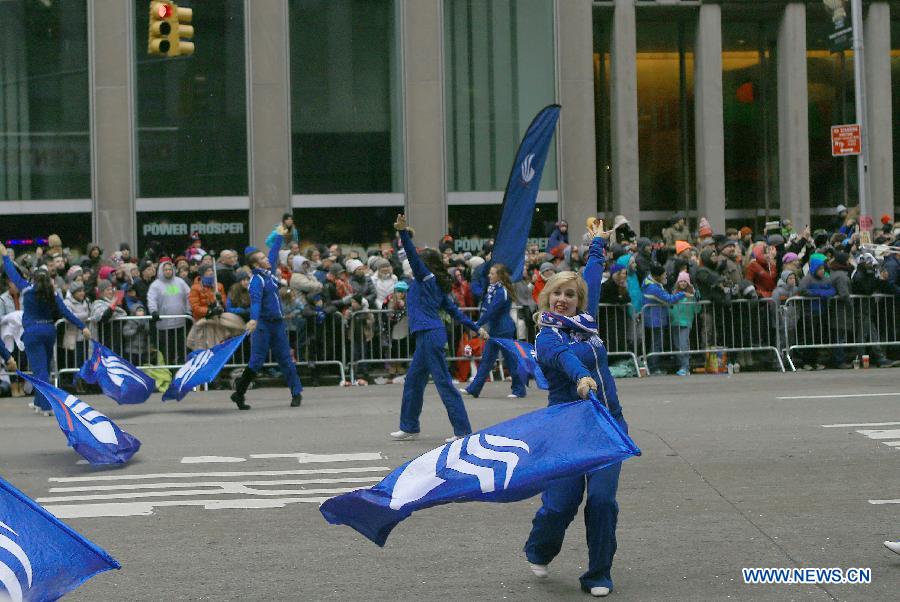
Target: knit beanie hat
x=705 y=229
x=616 y=267
x=75 y=287
x=684 y=277
x=353 y=265
x=547 y=266
x=681 y=246
x=789 y=257
x=102 y=285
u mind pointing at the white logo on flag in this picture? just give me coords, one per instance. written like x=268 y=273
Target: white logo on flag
x=118 y=371
x=527 y=169
x=8 y=579
x=102 y=431
x=186 y=372
x=420 y=476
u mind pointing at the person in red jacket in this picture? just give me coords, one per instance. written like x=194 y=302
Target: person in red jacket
x=203 y=296
x=761 y=270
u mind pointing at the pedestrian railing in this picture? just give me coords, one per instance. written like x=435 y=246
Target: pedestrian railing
x=806 y=330
x=700 y=327
x=815 y=329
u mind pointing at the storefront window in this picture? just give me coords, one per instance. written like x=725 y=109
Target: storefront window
x=364 y=226
x=479 y=222
x=499 y=73
x=750 y=105
x=833 y=180
x=603 y=128
x=665 y=87
x=192 y=110
x=346 y=97
x=44 y=107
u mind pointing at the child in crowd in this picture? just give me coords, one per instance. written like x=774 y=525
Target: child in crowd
x=136 y=336
x=681 y=317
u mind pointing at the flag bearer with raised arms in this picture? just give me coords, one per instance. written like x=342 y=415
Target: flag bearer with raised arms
x=266 y=326
x=429 y=293
x=574 y=361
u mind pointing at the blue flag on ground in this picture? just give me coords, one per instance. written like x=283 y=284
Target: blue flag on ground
x=40 y=557
x=522 y=191
x=202 y=367
x=117 y=377
x=527 y=361
x=507 y=462
x=90 y=433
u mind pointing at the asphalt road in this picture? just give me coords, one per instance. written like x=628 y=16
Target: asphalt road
x=731 y=476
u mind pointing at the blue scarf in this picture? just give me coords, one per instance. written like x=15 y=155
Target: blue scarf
x=583 y=323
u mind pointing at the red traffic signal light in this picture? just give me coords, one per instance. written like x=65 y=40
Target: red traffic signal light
x=164 y=10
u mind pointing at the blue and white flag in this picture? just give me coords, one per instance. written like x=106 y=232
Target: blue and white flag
x=522 y=191
x=202 y=367
x=40 y=557
x=507 y=462
x=90 y=433
x=118 y=378
x=526 y=359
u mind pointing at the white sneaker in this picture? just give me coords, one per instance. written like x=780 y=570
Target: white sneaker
x=404 y=436
x=398 y=380
x=380 y=380
x=514 y=396
x=599 y=591
x=31 y=405
x=46 y=413
x=464 y=392
x=539 y=570
x=893 y=546
x=452 y=439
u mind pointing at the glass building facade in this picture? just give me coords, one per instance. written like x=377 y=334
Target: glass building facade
x=368 y=84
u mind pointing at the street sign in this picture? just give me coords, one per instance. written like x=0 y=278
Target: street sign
x=845 y=140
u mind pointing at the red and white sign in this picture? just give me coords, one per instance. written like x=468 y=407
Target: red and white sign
x=865 y=222
x=845 y=140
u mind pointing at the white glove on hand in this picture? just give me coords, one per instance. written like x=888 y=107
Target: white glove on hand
x=585 y=386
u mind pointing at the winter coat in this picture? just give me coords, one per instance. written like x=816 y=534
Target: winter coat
x=842 y=317
x=363 y=285
x=8 y=304
x=136 y=335
x=762 y=275
x=611 y=294
x=656 y=300
x=709 y=282
x=682 y=313
x=81 y=310
x=306 y=284
x=102 y=311
x=813 y=286
x=383 y=288
x=675 y=233
x=784 y=291
x=557 y=238
x=202 y=297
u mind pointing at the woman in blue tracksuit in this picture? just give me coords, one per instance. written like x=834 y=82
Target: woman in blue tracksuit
x=429 y=293
x=41 y=304
x=574 y=361
x=266 y=326
x=495 y=307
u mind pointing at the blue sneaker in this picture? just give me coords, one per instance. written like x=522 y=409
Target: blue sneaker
x=682 y=372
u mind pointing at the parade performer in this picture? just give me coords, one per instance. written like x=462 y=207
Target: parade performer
x=40 y=306
x=429 y=293
x=495 y=319
x=7 y=358
x=266 y=326
x=574 y=361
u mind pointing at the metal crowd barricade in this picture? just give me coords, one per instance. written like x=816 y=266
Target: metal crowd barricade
x=866 y=322
x=138 y=339
x=312 y=343
x=618 y=329
x=744 y=325
x=379 y=336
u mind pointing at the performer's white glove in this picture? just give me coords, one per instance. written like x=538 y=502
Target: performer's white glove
x=251 y=326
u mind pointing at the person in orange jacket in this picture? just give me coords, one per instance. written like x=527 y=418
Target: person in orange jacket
x=203 y=295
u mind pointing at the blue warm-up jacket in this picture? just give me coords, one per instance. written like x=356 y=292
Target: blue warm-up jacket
x=264 y=301
x=34 y=311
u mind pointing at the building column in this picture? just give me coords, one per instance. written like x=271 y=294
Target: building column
x=708 y=117
x=422 y=30
x=624 y=113
x=877 y=40
x=576 y=135
x=793 y=125
x=111 y=89
x=267 y=39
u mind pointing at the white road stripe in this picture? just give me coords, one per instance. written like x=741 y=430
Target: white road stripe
x=146 y=508
x=230 y=490
x=878 y=502
x=133 y=486
x=835 y=426
x=200 y=475
x=303 y=458
x=881 y=433
x=892 y=443
x=840 y=396
x=210 y=459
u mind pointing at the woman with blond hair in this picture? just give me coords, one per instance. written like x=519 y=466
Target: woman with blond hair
x=574 y=361
x=495 y=307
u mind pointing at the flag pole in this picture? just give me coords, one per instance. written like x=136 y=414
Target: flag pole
x=861 y=106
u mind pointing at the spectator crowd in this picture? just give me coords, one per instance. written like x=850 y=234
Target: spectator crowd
x=658 y=280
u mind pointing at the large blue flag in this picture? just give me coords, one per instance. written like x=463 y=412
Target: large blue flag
x=118 y=378
x=526 y=359
x=40 y=557
x=202 y=367
x=507 y=462
x=90 y=433
x=522 y=191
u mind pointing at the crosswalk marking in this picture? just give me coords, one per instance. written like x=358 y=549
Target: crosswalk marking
x=124 y=495
x=835 y=426
x=886 y=436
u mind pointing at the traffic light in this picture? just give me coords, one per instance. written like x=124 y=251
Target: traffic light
x=168 y=25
